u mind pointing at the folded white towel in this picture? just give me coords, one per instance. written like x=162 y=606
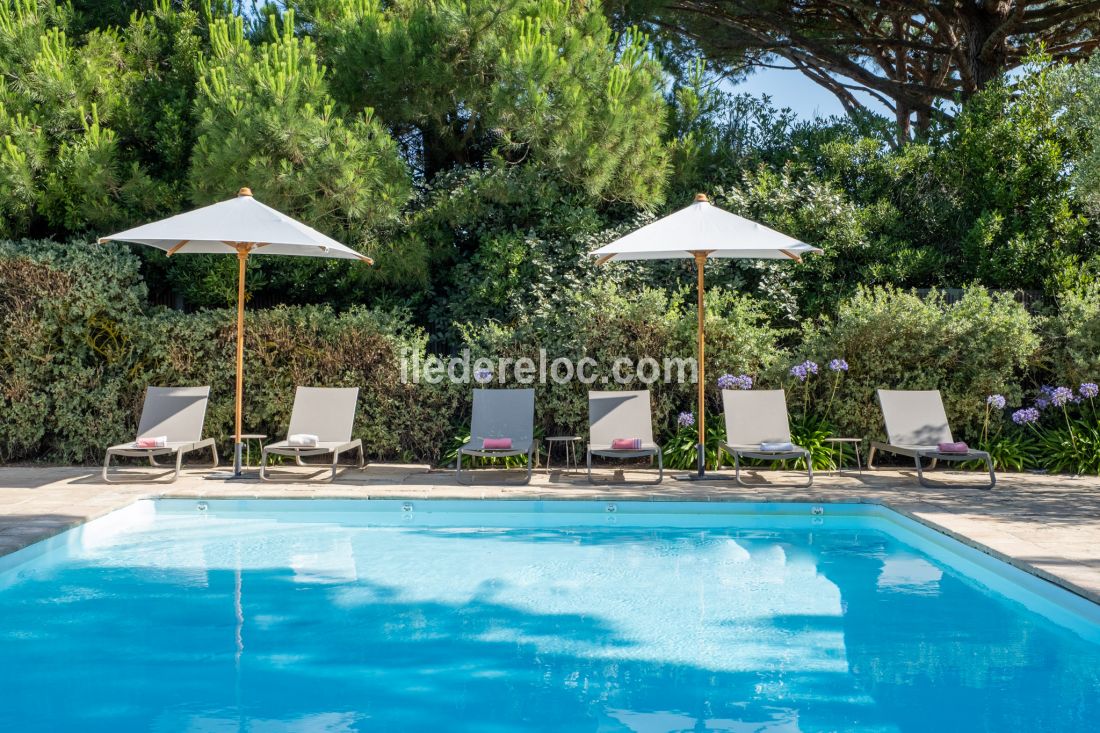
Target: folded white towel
x=302 y=440
x=159 y=441
x=776 y=447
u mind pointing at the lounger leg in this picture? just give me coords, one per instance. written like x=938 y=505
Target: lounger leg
x=530 y=455
x=992 y=476
x=737 y=469
x=871 y=459
x=362 y=458
x=263 y=465
x=661 y=465
x=920 y=472
x=335 y=463
x=106 y=466
x=810 y=469
x=179 y=464
x=214 y=455
x=589 y=461
x=458 y=467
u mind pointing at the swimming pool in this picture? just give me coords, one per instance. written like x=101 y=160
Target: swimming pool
x=300 y=615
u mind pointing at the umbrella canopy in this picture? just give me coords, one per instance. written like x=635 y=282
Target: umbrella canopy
x=700 y=232
x=244 y=227
x=222 y=228
x=704 y=228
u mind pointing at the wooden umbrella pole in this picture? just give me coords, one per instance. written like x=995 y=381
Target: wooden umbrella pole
x=700 y=416
x=242 y=261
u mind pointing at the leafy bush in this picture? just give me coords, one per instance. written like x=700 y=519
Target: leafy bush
x=603 y=323
x=1074 y=335
x=77 y=351
x=978 y=346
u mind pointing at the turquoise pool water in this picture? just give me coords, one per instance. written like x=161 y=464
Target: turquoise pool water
x=522 y=616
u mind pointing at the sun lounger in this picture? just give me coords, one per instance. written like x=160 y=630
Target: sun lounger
x=175 y=414
x=326 y=414
x=500 y=415
x=622 y=416
x=755 y=419
x=916 y=424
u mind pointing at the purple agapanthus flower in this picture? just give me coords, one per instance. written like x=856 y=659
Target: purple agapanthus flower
x=838 y=365
x=729 y=381
x=483 y=376
x=804 y=370
x=1025 y=416
x=1089 y=390
x=996 y=401
x=685 y=420
x=1061 y=395
x=1042 y=403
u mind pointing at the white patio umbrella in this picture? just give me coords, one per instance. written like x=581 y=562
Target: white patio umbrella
x=244 y=227
x=700 y=232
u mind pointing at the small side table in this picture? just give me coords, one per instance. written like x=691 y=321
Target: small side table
x=570 y=442
x=839 y=443
x=245 y=438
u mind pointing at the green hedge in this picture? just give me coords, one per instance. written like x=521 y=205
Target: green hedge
x=79 y=347
x=978 y=346
x=604 y=323
x=79 y=344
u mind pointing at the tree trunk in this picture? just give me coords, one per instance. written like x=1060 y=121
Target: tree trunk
x=979 y=23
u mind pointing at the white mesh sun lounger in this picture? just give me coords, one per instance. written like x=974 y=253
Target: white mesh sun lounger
x=328 y=413
x=176 y=413
x=754 y=417
x=613 y=415
x=501 y=413
x=916 y=424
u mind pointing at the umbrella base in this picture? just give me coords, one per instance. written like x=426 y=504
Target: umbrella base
x=225 y=476
x=238 y=473
x=700 y=466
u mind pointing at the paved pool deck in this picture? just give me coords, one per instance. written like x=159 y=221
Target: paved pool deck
x=1047 y=525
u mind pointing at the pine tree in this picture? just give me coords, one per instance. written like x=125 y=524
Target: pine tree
x=267 y=121
x=543 y=82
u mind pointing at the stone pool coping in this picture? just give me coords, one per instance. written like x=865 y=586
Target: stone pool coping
x=1046 y=525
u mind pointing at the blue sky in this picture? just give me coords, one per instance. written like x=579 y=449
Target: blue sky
x=793 y=89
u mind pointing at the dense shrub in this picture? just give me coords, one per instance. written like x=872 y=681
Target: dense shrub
x=77 y=351
x=605 y=323
x=1074 y=335
x=78 y=346
x=969 y=349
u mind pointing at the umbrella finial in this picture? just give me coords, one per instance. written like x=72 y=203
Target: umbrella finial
x=245 y=191
x=701 y=197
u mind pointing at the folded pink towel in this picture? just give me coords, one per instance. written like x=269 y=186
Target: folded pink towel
x=959 y=447
x=626 y=444
x=496 y=444
x=158 y=442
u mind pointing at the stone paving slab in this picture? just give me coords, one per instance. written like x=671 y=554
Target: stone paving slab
x=1047 y=525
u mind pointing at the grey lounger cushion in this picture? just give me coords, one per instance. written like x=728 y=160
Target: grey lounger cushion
x=758 y=416
x=916 y=423
x=501 y=413
x=613 y=415
x=177 y=413
x=328 y=413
